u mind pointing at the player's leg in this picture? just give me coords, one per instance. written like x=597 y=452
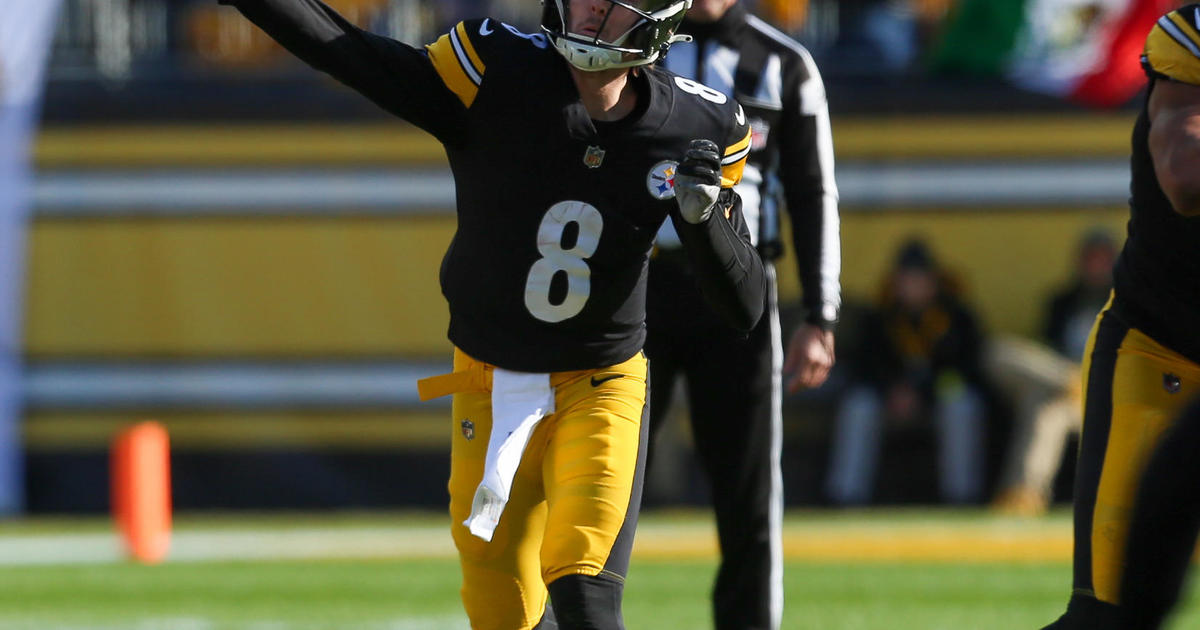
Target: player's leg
x=1099 y=364
x=668 y=338
x=593 y=469
x=1133 y=388
x=502 y=585
x=1165 y=524
x=662 y=350
x=734 y=391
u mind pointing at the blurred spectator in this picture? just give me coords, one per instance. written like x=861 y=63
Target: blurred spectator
x=131 y=40
x=788 y=15
x=523 y=14
x=881 y=37
x=1043 y=380
x=918 y=361
x=220 y=37
x=930 y=16
x=1071 y=312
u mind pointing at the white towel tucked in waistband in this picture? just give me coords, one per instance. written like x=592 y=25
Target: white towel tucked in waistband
x=519 y=401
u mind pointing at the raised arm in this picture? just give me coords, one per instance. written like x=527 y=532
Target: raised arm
x=714 y=233
x=1174 y=110
x=399 y=78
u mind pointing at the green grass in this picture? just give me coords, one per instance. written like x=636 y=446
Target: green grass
x=412 y=594
x=421 y=593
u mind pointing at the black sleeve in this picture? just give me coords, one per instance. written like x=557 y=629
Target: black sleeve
x=806 y=172
x=728 y=268
x=397 y=77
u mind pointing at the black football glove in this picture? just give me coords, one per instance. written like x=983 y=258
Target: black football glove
x=698 y=181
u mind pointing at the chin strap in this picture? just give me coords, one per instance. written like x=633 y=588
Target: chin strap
x=675 y=39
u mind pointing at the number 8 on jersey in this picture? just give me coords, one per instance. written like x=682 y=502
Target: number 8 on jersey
x=568 y=234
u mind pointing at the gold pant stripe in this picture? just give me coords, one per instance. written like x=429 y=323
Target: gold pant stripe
x=1149 y=385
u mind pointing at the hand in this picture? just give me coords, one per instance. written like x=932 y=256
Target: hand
x=698 y=181
x=809 y=357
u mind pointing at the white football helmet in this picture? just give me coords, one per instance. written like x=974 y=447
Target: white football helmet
x=644 y=42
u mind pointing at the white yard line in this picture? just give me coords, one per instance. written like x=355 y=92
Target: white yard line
x=822 y=540
x=229 y=545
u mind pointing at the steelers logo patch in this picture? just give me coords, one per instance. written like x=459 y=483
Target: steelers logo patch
x=661 y=180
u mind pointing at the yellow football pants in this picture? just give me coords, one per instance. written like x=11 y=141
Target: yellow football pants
x=1134 y=387
x=574 y=499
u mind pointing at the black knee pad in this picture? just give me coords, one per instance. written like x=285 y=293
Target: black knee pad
x=1088 y=613
x=584 y=602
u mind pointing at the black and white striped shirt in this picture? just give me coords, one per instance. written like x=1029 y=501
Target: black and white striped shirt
x=791 y=159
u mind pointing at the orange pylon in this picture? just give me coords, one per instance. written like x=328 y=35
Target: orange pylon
x=141 y=490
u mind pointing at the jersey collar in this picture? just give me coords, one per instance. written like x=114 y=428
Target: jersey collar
x=652 y=88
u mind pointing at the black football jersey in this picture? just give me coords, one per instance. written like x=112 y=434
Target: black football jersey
x=1157 y=277
x=556 y=213
x=791 y=151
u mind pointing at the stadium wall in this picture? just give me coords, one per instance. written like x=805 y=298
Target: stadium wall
x=165 y=257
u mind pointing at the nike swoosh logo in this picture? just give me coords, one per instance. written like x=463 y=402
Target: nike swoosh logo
x=741 y=116
x=597 y=380
x=483 y=28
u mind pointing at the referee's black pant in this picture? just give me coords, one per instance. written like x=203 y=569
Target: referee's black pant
x=734 y=395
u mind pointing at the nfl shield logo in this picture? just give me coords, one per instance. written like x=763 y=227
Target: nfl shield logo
x=594 y=157
x=760 y=130
x=468 y=429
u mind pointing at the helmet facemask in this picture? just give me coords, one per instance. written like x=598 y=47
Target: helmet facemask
x=646 y=40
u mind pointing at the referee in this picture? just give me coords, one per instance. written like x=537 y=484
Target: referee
x=734 y=381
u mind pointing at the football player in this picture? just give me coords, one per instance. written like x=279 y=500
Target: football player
x=568 y=152
x=1143 y=357
x=735 y=414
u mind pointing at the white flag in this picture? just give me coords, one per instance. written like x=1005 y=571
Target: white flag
x=26 y=30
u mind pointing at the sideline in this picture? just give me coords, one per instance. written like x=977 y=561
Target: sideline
x=869 y=536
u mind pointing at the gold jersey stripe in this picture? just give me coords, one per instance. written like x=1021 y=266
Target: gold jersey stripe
x=1170 y=57
x=446 y=61
x=472 y=56
x=741 y=145
x=731 y=173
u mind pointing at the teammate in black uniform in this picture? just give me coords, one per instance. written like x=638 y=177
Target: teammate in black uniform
x=1143 y=360
x=565 y=148
x=734 y=380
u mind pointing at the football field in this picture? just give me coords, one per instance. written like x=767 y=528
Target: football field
x=898 y=570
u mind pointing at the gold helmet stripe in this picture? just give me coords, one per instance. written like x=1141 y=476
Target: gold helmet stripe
x=1173 y=49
